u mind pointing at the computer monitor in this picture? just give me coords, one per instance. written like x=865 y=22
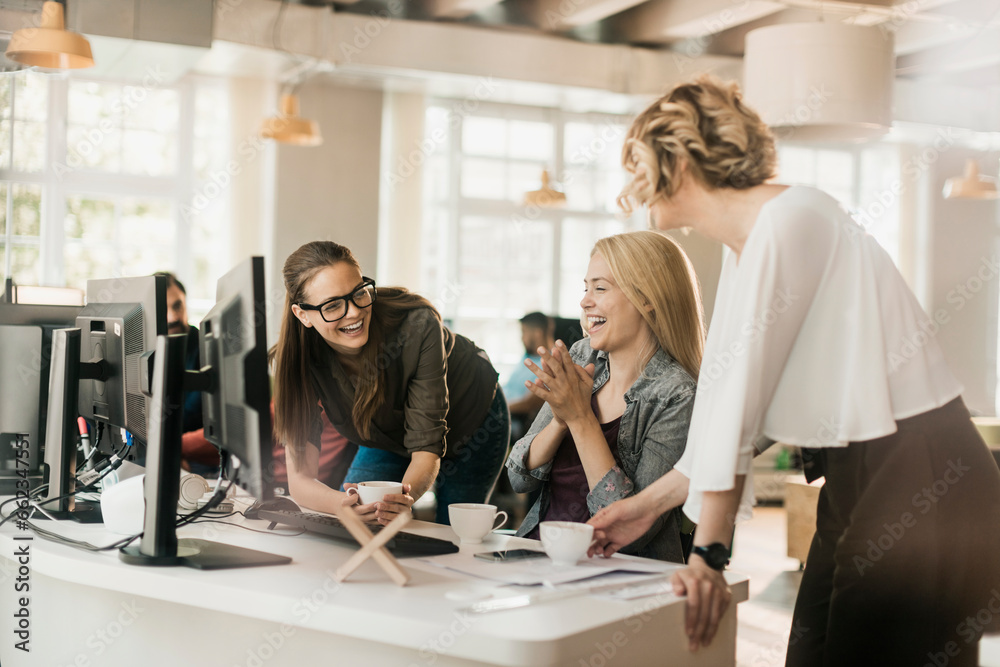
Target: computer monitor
x=25 y=348
x=236 y=406
x=101 y=370
x=119 y=325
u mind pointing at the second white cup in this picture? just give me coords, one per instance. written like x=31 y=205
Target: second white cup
x=566 y=542
x=372 y=492
x=474 y=521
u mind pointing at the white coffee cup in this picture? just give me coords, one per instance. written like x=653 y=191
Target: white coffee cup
x=372 y=492
x=474 y=521
x=566 y=542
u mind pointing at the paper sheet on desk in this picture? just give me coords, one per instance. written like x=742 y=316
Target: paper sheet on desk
x=542 y=571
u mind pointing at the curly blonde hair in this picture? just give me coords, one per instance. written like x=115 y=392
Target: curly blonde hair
x=706 y=124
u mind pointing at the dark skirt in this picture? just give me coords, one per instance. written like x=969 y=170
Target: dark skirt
x=904 y=568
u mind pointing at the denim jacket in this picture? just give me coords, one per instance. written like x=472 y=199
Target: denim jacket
x=651 y=439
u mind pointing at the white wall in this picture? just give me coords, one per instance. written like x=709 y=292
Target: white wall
x=402 y=202
x=963 y=256
x=706 y=257
x=330 y=192
x=252 y=190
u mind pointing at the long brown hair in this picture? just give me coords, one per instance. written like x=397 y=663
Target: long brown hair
x=652 y=270
x=299 y=347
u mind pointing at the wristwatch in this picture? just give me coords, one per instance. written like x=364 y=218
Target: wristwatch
x=716 y=555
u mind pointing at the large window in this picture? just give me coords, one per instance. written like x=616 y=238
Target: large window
x=490 y=258
x=860 y=178
x=98 y=179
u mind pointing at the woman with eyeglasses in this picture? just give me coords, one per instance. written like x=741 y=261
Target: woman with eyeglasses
x=421 y=402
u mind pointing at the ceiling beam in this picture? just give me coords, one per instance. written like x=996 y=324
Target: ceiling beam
x=978 y=51
x=663 y=21
x=914 y=36
x=457 y=9
x=556 y=15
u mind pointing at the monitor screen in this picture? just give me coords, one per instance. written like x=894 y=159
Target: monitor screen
x=25 y=348
x=119 y=326
x=236 y=408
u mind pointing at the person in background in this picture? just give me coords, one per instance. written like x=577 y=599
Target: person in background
x=177 y=323
x=523 y=405
x=804 y=348
x=199 y=455
x=421 y=402
x=618 y=403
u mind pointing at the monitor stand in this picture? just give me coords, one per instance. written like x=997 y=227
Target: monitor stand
x=61 y=429
x=159 y=544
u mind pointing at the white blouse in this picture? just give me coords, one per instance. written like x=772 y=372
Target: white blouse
x=815 y=341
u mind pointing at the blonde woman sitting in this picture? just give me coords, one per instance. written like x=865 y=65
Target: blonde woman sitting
x=619 y=402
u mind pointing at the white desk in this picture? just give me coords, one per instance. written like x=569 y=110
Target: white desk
x=92 y=609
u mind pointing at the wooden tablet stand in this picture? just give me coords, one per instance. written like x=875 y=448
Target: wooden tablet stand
x=372 y=546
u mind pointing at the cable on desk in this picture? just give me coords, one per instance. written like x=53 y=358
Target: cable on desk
x=5 y=519
x=46 y=534
x=115 y=462
x=31 y=496
x=195 y=517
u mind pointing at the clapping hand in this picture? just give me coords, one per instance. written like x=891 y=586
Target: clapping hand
x=564 y=385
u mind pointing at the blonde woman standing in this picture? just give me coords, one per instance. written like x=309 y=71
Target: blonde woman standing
x=811 y=316
x=618 y=403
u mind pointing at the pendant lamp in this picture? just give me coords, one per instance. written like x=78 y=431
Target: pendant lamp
x=547 y=196
x=970 y=185
x=821 y=81
x=50 y=46
x=289 y=128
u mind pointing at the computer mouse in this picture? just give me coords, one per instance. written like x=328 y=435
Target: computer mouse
x=277 y=503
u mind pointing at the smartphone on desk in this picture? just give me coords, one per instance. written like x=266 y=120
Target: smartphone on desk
x=510 y=555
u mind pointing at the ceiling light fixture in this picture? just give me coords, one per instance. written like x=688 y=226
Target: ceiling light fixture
x=971 y=185
x=50 y=46
x=821 y=81
x=288 y=128
x=547 y=196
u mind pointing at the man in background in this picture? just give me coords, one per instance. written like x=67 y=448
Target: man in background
x=200 y=455
x=536 y=331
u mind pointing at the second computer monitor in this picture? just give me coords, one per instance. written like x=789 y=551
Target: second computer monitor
x=119 y=325
x=237 y=407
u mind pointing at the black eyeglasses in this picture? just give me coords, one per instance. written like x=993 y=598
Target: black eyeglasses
x=335 y=308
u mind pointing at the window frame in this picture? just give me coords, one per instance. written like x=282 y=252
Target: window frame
x=59 y=182
x=458 y=207
x=455 y=207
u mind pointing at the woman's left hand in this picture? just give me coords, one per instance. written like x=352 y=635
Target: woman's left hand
x=565 y=386
x=382 y=511
x=393 y=504
x=708 y=597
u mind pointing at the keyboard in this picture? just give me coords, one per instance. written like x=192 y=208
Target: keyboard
x=401 y=545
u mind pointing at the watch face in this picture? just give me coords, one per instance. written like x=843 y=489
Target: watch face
x=718 y=558
x=716 y=555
